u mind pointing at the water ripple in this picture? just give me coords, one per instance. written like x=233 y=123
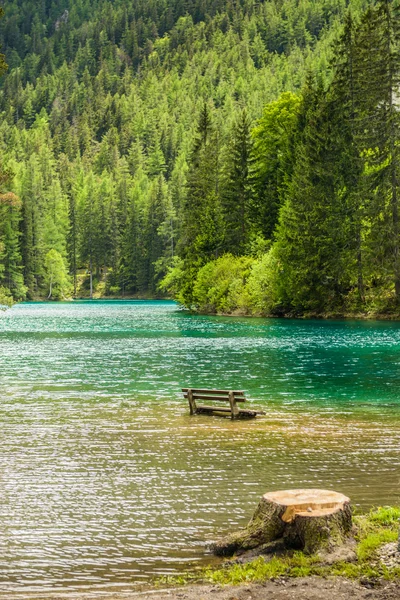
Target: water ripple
x=106 y=480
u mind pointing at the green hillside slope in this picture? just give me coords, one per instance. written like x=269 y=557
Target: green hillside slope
x=122 y=129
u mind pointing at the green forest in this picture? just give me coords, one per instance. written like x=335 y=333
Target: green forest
x=240 y=156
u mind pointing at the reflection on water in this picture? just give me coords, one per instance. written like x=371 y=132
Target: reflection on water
x=105 y=479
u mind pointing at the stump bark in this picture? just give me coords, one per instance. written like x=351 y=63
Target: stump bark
x=310 y=520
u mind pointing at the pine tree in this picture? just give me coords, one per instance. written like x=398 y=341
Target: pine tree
x=85 y=190
x=202 y=215
x=154 y=242
x=67 y=181
x=3 y=64
x=238 y=189
x=11 y=276
x=379 y=37
x=314 y=229
x=346 y=96
x=133 y=262
x=129 y=261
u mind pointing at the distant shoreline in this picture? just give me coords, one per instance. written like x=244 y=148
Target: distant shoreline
x=238 y=314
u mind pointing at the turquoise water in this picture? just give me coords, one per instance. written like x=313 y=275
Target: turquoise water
x=106 y=481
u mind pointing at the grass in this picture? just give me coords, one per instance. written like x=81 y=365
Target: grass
x=379 y=527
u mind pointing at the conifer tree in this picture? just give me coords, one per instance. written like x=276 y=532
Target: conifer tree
x=11 y=276
x=314 y=230
x=379 y=37
x=67 y=182
x=3 y=65
x=346 y=96
x=129 y=262
x=87 y=225
x=238 y=189
x=201 y=179
x=154 y=242
x=133 y=271
x=202 y=216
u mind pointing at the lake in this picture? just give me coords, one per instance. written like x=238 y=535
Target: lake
x=106 y=481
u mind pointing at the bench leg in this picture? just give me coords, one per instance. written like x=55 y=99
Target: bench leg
x=192 y=403
x=234 y=408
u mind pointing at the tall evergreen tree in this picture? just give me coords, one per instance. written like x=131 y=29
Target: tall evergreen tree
x=238 y=189
x=3 y=64
x=154 y=242
x=346 y=95
x=202 y=216
x=11 y=276
x=314 y=230
x=379 y=37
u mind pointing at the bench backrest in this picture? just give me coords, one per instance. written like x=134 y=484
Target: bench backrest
x=214 y=395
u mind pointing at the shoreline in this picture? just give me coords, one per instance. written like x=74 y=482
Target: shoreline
x=366 y=316
x=302 y=588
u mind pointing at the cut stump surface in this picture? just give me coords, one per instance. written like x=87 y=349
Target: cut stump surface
x=307 y=503
x=310 y=520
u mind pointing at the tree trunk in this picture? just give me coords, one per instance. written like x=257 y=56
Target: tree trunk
x=309 y=520
x=91 y=277
x=51 y=289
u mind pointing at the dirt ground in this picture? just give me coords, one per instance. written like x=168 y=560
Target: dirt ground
x=307 y=588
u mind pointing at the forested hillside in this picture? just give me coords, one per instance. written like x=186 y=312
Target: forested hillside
x=243 y=154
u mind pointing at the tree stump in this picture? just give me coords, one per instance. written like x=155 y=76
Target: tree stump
x=310 y=520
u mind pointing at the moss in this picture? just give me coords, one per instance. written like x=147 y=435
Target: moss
x=257 y=570
x=386 y=516
x=367 y=547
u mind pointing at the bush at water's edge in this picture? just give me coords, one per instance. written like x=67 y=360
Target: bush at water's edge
x=259 y=286
x=6 y=300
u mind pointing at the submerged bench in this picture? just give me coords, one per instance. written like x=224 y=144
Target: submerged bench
x=219 y=396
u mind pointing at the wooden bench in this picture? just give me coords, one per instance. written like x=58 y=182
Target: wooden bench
x=233 y=397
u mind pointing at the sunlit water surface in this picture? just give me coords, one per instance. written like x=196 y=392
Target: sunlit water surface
x=105 y=479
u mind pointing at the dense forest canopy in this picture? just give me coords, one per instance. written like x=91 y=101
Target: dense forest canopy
x=240 y=155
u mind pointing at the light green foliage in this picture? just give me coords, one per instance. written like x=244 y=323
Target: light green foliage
x=11 y=278
x=6 y=300
x=327 y=170
x=273 y=138
x=263 y=285
x=174 y=280
x=368 y=546
x=56 y=275
x=220 y=285
x=230 y=284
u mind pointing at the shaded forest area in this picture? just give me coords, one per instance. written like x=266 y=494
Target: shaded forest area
x=241 y=156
